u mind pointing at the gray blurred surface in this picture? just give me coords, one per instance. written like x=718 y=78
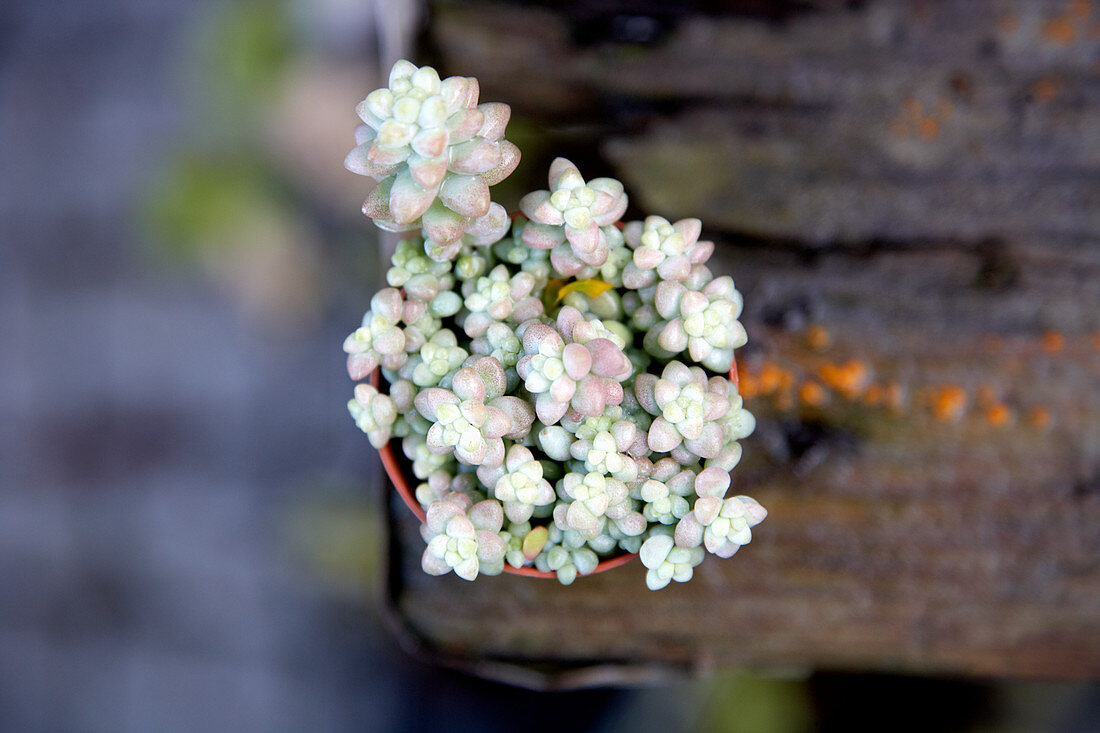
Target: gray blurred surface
x=152 y=438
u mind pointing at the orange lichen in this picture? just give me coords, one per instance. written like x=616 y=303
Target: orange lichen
x=998 y=415
x=895 y=396
x=1053 y=342
x=1059 y=30
x=1080 y=9
x=849 y=379
x=874 y=395
x=817 y=337
x=928 y=128
x=812 y=393
x=948 y=402
x=773 y=378
x=1008 y=23
x=1096 y=340
x=1045 y=90
x=912 y=107
x=784 y=400
x=986 y=396
x=898 y=127
x=746 y=383
x=1039 y=417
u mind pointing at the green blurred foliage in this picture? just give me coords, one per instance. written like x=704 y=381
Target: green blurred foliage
x=219 y=182
x=246 y=49
x=201 y=201
x=736 y=702
x=341 y=538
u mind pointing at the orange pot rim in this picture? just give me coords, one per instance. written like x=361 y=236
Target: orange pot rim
x=400 y=482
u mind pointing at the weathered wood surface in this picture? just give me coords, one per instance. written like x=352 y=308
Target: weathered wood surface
x=920 y=183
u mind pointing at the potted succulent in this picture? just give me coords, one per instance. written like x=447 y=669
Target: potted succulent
x=562 y=385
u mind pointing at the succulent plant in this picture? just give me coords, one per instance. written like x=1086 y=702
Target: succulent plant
x=433 y=150
x=473 y=416
x=668 y=561
x=439 y=356
x=664 y=251
x=686 y=405
x=522 y=486
x=558 y=384
x=499 y=296
x=442 y=483
x=463 y=538
x=572 y=212
x=661 y=503
x=722 y=525
x=524 y=542
x=373 y=413
x=566 y=562
x=590 y=500
x=571 y=366
x=608 y=446
x=703 y=322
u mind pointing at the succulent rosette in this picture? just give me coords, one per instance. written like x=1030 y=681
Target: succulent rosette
x=500 y=296
x=373 y=413
x=667 y=561
x=569 y=218
x=434 y=152
x=702 y=322
x=522 y=487
x=664 y=251
x=557 y=382
x=572 y=364
x=590 y=500
x=472 y=417
x=463 y=538
x=720 y=524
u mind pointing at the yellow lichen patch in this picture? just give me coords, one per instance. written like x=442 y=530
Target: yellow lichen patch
x=849 y=379
x=1053 y=342
x=812 y=393
x=948 y=402
x=817 y=337
x=998 y=415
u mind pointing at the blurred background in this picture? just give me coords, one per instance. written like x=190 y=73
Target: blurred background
x=192 y=534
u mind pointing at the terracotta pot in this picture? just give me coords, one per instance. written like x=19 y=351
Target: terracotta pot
x=396 y=473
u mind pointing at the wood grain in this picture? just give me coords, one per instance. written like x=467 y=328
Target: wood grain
x=918 y=182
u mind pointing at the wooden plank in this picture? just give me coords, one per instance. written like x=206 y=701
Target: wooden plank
x=945 y=519
x=895 y=540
